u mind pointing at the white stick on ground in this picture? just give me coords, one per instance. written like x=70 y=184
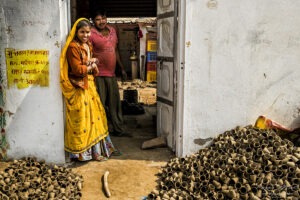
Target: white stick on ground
x=105 y=183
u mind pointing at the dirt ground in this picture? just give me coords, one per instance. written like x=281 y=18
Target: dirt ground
x=131 y=175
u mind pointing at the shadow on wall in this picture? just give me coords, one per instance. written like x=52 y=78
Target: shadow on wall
x=296 y=122
x=295 y=134
x=201 y=142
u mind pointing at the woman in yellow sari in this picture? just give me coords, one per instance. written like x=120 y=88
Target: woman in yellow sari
x=86 y=132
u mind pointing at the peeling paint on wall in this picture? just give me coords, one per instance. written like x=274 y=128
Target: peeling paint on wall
x=3 y=142
x=29 y=26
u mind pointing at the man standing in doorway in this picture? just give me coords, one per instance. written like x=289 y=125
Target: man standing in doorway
x=105 y=47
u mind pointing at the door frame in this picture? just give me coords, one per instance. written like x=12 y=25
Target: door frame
x=178 y=77
x=180 y=68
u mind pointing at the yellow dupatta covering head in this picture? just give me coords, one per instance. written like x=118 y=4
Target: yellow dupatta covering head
x=65 y=83
x=86 y=122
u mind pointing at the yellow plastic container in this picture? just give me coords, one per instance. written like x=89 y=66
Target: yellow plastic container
x=152 y=45
x=151 y=76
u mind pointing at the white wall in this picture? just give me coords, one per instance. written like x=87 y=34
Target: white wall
x=242 y=60
x=36 y=127
x=142 y=50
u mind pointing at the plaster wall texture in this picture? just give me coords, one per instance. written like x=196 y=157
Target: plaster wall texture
x=36 y=125
x=242 y=60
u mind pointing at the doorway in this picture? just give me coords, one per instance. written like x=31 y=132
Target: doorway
x=146 y=31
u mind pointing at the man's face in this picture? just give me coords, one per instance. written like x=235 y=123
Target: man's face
x=100 y=22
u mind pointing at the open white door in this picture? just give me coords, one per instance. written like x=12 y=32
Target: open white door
x=166 y=24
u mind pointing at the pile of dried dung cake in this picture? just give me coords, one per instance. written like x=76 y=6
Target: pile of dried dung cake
x=30 y=179
x=243 y=163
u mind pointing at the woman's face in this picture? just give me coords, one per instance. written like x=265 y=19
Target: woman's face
x=84 y=33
